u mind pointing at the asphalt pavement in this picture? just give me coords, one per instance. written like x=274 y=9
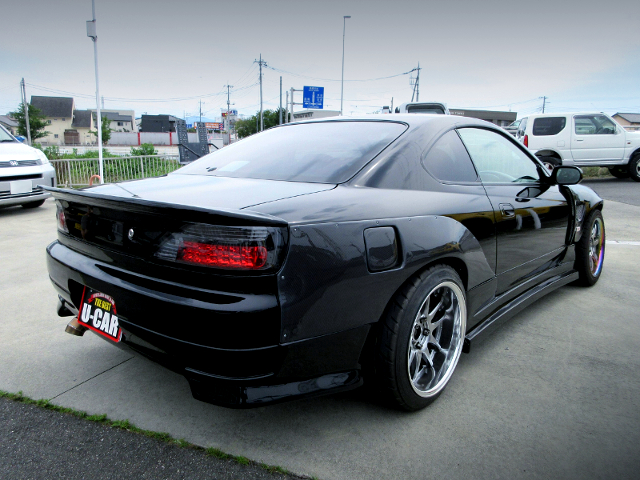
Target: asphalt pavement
x=552 y=394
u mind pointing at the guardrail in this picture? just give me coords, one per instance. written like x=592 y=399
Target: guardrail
x=76 y=172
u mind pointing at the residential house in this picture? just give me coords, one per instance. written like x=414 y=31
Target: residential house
x=9 y=123
x=630 y=121
x=58 y=112
x=158 y=123
x=119 y=120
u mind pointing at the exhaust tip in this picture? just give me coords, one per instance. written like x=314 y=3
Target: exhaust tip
x=74 y=328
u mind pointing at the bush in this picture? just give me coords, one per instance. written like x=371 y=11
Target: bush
x=144 y=150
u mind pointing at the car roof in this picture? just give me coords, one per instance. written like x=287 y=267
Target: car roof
x=437 y=121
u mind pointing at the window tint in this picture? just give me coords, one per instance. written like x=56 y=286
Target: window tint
x=497 y=159
x=323 y=152
x=594 y=125
x=449 y=161
x=425 y=109
x=548 y=125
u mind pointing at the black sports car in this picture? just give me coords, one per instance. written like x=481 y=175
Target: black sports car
x=291 y=262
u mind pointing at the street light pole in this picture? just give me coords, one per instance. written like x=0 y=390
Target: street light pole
x=344 y=26
x=92 y=32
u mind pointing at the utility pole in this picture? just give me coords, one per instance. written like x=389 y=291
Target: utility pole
x=280 y=110
x=93 y=33
x=228 y=87
x=286 y=112
x=344 y=28
x=544 y=102
x=102 y=102
x=416 y=86
x=291 y=114
x=25 y=105
x=200 y=110
x=261 y=63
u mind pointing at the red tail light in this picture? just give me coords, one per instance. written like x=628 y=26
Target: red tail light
x=526 y=141
x=62 y=221
x=229 y=248
x=223 y=256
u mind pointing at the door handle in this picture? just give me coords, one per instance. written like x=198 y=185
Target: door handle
x=579 y=139
x=507 y=210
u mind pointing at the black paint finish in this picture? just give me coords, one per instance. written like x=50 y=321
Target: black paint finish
x=251 y=338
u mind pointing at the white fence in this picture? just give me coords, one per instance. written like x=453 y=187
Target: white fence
x=77 y=172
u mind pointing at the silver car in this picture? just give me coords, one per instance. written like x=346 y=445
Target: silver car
x=23 y=170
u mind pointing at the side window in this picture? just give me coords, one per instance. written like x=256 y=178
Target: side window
x=497 y=159
x=594 y=125
x=449 y=161
x=548 y=126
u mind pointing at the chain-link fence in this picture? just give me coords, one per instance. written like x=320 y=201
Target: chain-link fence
x=77 y=172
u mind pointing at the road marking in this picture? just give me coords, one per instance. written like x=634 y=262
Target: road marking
x=622 y=242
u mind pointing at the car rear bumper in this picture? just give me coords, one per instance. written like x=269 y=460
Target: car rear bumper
x=188 y=336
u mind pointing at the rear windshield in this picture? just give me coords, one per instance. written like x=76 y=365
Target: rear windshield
x=548 y=125
x=425 y=109
x=323 y=152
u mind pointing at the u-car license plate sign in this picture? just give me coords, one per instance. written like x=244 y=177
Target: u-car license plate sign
x=98 y=313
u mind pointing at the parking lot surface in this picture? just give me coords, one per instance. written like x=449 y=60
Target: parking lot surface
x=553 y=393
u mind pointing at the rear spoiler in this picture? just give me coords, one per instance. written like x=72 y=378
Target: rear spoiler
x=182 y=212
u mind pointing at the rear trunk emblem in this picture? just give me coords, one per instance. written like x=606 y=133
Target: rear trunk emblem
x=13 y=163
x=130 y=235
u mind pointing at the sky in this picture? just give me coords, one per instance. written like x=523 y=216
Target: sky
x=165 y=57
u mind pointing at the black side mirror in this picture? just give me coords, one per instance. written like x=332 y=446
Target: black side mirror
x=566 y=175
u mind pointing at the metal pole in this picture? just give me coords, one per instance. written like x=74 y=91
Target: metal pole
x=286 y=112
x=92 y=32
x=280 y=111
x=261 y=117
x=291 y=114
x=418 y=84
x=25 y=105
x=344 y=26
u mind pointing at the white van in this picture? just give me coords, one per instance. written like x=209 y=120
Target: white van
x=22 y=170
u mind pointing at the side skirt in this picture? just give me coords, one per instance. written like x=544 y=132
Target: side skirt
x=516 y=305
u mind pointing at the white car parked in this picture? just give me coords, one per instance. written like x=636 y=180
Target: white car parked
x=583 y=139
x=22 y=170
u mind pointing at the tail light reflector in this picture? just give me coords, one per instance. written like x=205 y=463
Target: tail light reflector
x=249 y=257
x=223 y=247
x=526 y=141
x=62 y=221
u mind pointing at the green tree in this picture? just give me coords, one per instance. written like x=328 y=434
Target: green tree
x=37 y=122
x=249 y=126
x=106 y=131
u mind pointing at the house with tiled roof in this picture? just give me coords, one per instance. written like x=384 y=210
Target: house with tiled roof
x=9 y=123
x=630 y=121
x=58 y=112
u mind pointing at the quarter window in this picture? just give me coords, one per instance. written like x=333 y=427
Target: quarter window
x=497 y=159
x=449 y=161
x=548 y=126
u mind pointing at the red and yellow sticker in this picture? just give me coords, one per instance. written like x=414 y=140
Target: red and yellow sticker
x=98 y=313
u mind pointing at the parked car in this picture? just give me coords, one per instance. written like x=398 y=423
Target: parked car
x=289 y=263
x=22 y=170
x=512 y=128
x=584 y=139
x=423 y=107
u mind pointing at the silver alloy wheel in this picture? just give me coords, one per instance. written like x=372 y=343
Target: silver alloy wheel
x=638 y=168
x=436 y=339
x=596 y=247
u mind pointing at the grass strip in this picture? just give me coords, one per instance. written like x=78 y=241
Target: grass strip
x=162 y=436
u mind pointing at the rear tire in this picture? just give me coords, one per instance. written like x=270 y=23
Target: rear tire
x=33 y=204
x=590 y=249
x=619 y=172
x=421 y=338
x=634 y=168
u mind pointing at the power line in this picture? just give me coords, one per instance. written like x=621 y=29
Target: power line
x=338 y=80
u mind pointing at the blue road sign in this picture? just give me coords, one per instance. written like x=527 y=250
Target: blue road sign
x=312 y=97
